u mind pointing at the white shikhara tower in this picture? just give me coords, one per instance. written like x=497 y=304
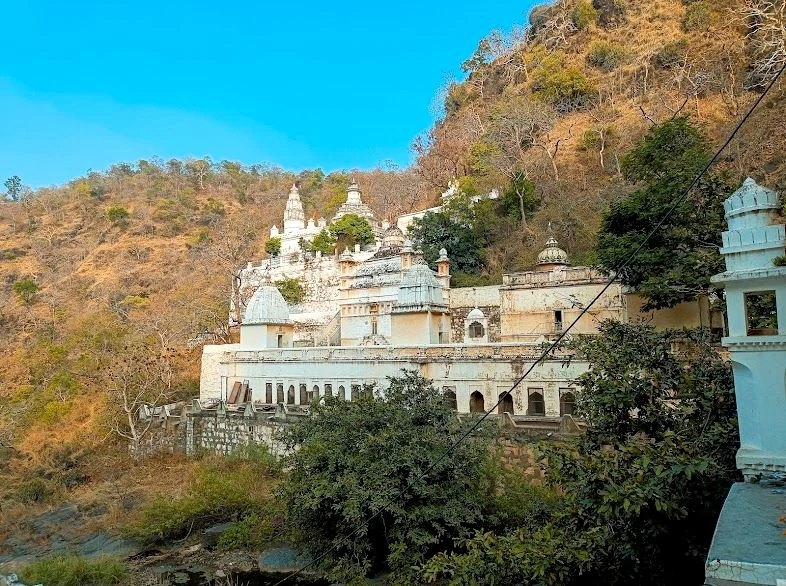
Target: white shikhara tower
x=756 y=304
x=295 y=226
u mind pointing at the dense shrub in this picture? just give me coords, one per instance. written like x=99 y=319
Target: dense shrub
x=25 y=290
x=698 y=17
x=118 y=215
x=605 y=55
x=223 y=489
x=273 y=246
x=291 y=290
x=35 y=490
x=584 y=14
x=672 y=54
x=74 y=571
x=566 y=88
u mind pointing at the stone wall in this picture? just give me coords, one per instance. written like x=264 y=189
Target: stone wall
x=218 y=430
x=464 y=300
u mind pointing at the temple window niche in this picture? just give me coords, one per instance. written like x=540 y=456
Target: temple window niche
x=761 y=313
x=476 y=328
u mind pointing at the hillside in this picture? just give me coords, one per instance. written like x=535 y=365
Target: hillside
x=119 y=275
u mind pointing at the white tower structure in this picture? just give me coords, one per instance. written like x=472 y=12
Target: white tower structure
x=294 y=218
x=756 y=302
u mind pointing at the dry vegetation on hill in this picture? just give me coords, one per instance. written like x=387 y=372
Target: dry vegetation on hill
x=123 y=270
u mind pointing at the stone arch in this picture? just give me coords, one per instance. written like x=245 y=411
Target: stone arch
x=304 y=399
x=535 y=403
x=328 y=390
x=354 y=392
x=747 y=406
x=476 y=330
x=291 y=395
x=506 y=403
x=342 y=393
x=567 y=402
x=268 y=393
x=477 y=403
x=280 y=393
x=315 y=393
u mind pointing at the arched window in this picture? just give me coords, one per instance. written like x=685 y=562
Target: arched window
x=303 y=395
x=315 y=393
x=355 y=390
x=268 y=393
x=291 y=395
x=506 y=406
x=567 y=402
x=476 y=403
x=328 y=390
x=476 y=330
x=535 y=403
x=342 y=393
x=449 y=396
x=280 y=393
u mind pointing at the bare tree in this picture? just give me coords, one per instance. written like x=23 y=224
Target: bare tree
x=766 y=21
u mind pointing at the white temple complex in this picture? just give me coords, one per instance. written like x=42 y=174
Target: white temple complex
x=370 y=312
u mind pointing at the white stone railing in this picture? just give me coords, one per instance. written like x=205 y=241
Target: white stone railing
x=557 y=277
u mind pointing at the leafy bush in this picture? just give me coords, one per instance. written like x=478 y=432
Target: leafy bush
x=566 y=88
x=351 y=229
x=291 y=290
x=584 y=14
x=25 y=290
x=223 y=489
x=35 y=490
x=779 y=261
x=698 y=17
x=273 y=246
x=352 y=457
x=605 y=55
x=118 y=215
x=672 y=54
x=75 y=571
x=323 y=242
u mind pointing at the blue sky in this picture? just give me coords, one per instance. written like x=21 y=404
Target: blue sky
x=85 y=84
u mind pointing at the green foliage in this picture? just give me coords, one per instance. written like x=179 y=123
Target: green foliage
x=351 y=458
x=212 y=211
x=437 y=230
x=605 y=55
x=25 y=290
x=566 y=88
x=672 y=54
x=779 y=261
x=677 y=263
x=351 y=229
x=75 y=571
x=520 y=192
x=584 y=14
x=636 y=498
x=698 y=17
x=223 y=489
x=273 y=246
x=35 y=490
x=13 y=187
x=118 y=215
x=323 y=242
x=291 y=290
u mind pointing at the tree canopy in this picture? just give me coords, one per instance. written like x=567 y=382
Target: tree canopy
x=639 y=494
x=351 y=229
x=351 y=458
x=678 y=261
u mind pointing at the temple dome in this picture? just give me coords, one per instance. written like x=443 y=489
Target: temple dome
x=420 y=287
x=475 y=314
x=266 y=306
x=553 y=254
x=393 y=236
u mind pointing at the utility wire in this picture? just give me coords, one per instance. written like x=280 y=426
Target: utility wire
x=555 y=344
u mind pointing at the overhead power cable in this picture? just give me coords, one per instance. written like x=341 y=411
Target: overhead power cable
x=556 y=343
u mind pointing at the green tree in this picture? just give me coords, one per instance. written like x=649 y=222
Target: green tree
x=273 y=246
x=323 y=242
x=642 y=489
x=118 y=215
x=25 y=290
x=291 y=290
x=351 y=229
x=351 y=458
x=13 y=187
x=678 y=261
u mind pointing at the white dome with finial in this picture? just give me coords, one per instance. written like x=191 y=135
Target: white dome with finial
x=266 y=306
x=553 y=254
